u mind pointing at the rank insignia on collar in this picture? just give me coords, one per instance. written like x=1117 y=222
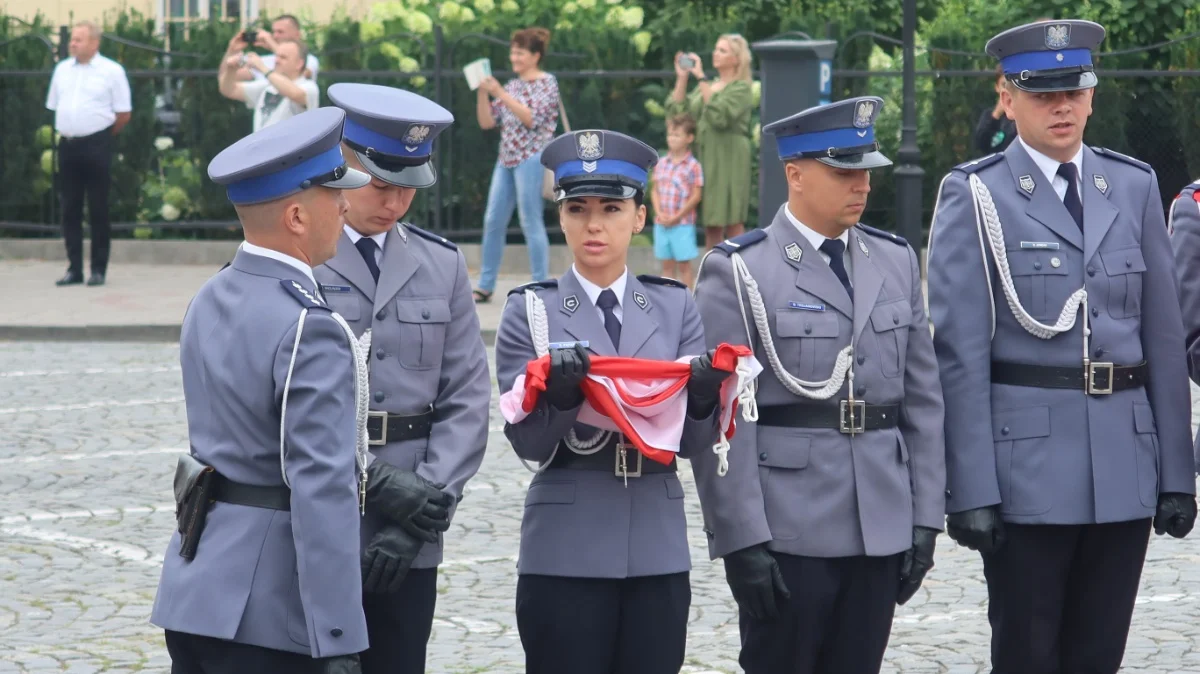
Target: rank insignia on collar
x=403 y=234
x=570 y=303
x=640 y=299
x=304 y=291
x=862 y=245
x=793 y=251
x=1101 y=183
x=1026 y=183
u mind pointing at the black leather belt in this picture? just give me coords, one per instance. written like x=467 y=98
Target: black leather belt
x=849 y=417
x=609 y=459
x=383 y=428
x=227 y=491
x=1093 y=378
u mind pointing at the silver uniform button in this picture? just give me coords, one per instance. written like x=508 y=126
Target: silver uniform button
x=1055 y=262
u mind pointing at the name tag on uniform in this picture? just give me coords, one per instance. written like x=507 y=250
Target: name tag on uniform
x=1039 y=245
x=568 y=345
x=806 y=307
x=335 y=289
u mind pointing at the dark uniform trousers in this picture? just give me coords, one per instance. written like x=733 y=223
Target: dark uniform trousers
x=603 y=625
x=1061 y=596
x=399 y=624
x=193 y=654
x=837 y=621
x=85 y=165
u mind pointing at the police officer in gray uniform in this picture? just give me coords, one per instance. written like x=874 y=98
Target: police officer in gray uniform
x=263 y=575
x=1060 y=343
x=604 y=560
x=1184 y=225
x=430 y=391
x=833 y=501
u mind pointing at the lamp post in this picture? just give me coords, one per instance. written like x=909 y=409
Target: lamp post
x=908 y=170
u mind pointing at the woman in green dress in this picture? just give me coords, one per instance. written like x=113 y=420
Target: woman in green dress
x=722 y=113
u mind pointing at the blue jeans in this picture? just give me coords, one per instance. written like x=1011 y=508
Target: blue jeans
x=519 y=187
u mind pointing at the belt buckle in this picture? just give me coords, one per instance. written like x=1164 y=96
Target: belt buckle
x=1106 y=375
x=624 y=449
x=382 y=416
x=852 y=417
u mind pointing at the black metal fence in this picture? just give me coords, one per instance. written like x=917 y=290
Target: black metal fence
x=1148 y=113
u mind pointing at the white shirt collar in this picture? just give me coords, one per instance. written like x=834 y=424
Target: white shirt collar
x=815 y=238
x=1049 y=166
x=355 y=236
x=593 y=291
x=281 y=257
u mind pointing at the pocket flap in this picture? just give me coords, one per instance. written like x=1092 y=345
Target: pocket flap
x=795 y=323
x=427 y=310
x=1143 y=418
x=891 y=316
x=791 y=453
x=674 y=488
x=1036 y=262
x=1020 y=424
x=550 y=492
x=1123 y=261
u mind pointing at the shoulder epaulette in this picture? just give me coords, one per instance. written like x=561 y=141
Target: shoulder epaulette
x=548 y=283
x=731 y=246
x=430 y=236
x=660 y=281
x=883 y=234
x=302 y=295
x=1191 y=190
x=1123 y=157
x=976 y=164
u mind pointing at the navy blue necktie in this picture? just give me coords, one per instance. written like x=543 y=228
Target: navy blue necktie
x=1071 y=198
x=607 y=302
x=366 y=247
x=834 y=248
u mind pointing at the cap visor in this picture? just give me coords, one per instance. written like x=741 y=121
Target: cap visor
x=1072 y=82
x=602 y=190
x=351 y=181
x=867 y=160
x=409 y=176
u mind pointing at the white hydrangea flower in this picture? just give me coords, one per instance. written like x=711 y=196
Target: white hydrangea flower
x=169 y=212
x=164 y=143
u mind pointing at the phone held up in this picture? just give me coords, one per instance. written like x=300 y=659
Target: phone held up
x=687 y=62
x=250 y=36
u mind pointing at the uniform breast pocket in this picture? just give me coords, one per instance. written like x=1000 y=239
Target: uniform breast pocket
x=1124 y=268
x=422 y=331
x=346 y=304
x=1040 y=277
x=890 y=321
x=806 y=339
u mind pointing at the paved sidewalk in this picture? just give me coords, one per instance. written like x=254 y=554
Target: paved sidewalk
x=140 y=302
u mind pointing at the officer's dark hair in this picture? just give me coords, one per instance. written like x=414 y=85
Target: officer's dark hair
x=289 y=17
x=533 y=40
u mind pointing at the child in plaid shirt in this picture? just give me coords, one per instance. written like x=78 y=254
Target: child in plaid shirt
x=678 y=182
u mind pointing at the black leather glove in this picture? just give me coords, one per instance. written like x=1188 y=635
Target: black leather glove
x=340 y=664
x=754 y=578
x=980 y=529
x=917 y=561
x=704 y=386
x=388 y=558
x=568 y=367
x=408 y=499
x=1175 y=515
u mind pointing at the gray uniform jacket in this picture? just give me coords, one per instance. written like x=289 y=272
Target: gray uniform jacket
x=1060 y=456
x=820 y=492
x=584 y=523
x=426 y=350
x=1184 y=226
x=286 y=580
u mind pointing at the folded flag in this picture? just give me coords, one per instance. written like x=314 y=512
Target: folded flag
x=646 y=400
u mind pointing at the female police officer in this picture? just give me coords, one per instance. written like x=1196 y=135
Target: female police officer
x=604 y=556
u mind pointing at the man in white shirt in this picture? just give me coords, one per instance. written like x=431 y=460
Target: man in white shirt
x=89 y=95
x=283 y=92
x=286 y=27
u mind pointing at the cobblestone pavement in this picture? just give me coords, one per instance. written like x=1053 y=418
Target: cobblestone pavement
x=89 y=443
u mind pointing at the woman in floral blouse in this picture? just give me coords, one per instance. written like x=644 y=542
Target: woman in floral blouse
x=722 y=110
x=526 y=110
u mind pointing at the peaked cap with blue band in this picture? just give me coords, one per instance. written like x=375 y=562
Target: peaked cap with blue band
x=392 y=131
x=840 y=134
x=285 y=158
x=598 y=163
x=1048 y=55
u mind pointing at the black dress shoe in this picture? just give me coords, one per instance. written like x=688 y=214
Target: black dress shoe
x=71 y=279
x=96 y=279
